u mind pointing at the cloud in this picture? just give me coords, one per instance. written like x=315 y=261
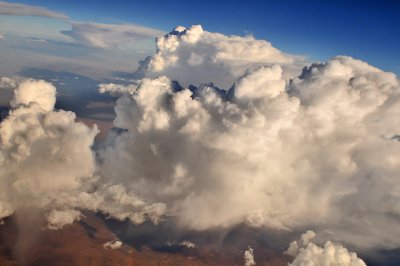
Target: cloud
x=194 y=56
x=116 y=244
x=59 y=218
x=43 y=154
x=35 y=91
x=331 y=254
x=317 y=150
x=16 y=9
x=108 y=35
x=249 y=257
x=187 y=244
x=47 y=163
x=1 y=36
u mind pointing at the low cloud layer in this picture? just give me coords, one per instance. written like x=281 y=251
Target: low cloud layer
x=16 y=9
x=108 y=35
x=318 y=150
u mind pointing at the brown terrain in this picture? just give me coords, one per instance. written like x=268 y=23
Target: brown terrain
x=82 y=244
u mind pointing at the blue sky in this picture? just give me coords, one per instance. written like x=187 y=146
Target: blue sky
x=367 y=30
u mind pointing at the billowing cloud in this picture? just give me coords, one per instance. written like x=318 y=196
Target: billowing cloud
x=267 y=152
x=47 y=163
x=16 y=9
x=249 y=257
x=318 y=150
x=108 y=35
x=194 y=56
x=43 y=154
x=35 y=91
x=331 y=254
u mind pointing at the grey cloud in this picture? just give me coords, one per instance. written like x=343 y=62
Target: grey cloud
x=108 y=35
x=17 y=9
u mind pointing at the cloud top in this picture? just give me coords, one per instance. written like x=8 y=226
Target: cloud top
x=35 y=91
x=194 y=56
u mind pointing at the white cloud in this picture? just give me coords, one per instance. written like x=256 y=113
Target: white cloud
x=16 y=9
x=116 y=244
x=331 y=254
x=35 y=91
x=249 y=257
x=319 y=150
x=187 y=244
x=269 y=152
x=43 y=153
x=46 y=163
x=194 y=56
x=59 y=218
x=108 y=35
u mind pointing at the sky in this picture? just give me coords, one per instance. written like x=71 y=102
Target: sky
x=317 y=29
x=279 y=116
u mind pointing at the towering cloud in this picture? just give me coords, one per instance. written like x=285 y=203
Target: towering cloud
x=47 y=163
x=317 y=150
x=45 y=156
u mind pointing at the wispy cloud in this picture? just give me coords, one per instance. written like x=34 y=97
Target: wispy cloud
x=17 y=9
x=108 y=35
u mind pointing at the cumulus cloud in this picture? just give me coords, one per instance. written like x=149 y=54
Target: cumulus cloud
x=16 y=9
x=269 y=151
x=331 y=254
x=108 y=35
x=194 y=56
x=47 y=163
x=59 y=218
x=115 y=244
x=43 y=153
x=35 y=91
x=187 y=244
x=319 y=149
x=249 y=257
